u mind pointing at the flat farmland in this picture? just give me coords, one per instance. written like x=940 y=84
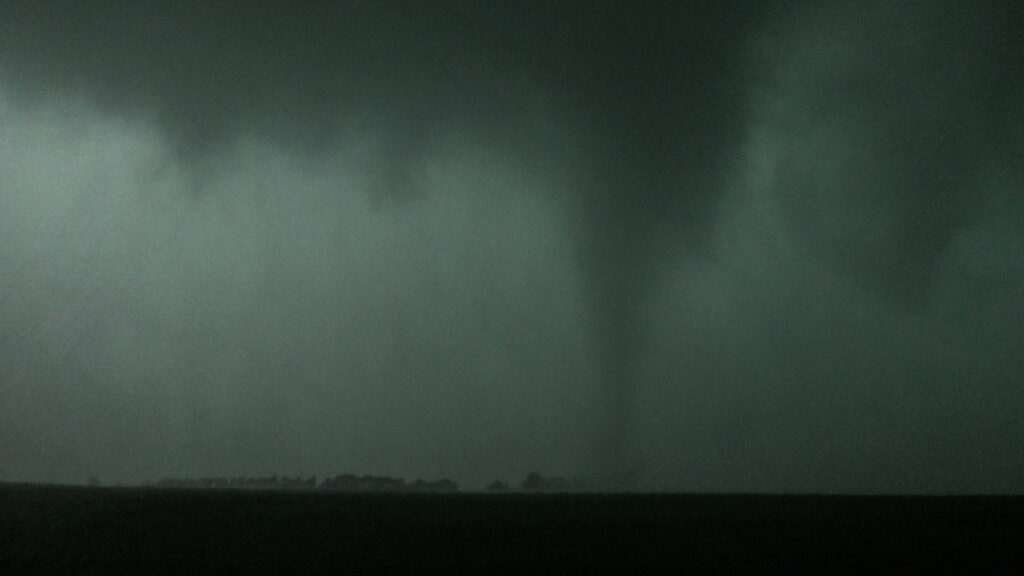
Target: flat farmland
x=58 y=529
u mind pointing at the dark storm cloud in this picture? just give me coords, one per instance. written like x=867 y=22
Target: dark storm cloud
x=853 y=328
x=699 y=246
x=890 y=119
x=259 y=331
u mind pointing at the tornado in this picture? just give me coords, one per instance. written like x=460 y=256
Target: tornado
x=666 y=114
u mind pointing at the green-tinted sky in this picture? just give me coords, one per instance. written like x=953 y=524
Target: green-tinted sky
x=693 y=246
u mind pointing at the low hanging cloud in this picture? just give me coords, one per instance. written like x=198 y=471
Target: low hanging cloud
x=284 y=322
x=785 y=243
x=854 y=326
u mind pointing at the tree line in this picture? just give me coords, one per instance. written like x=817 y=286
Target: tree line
x=533 y=482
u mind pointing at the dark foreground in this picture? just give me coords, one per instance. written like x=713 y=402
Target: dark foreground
x=140 y=530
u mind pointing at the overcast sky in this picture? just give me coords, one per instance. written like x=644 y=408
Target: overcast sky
x=701 y=246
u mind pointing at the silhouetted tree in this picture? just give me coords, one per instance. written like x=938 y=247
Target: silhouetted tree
x=498 y=486
x=534 y=482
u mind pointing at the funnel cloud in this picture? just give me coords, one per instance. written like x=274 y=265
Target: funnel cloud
x=707 y=246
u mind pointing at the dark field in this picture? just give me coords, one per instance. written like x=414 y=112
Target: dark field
x=145 y=530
